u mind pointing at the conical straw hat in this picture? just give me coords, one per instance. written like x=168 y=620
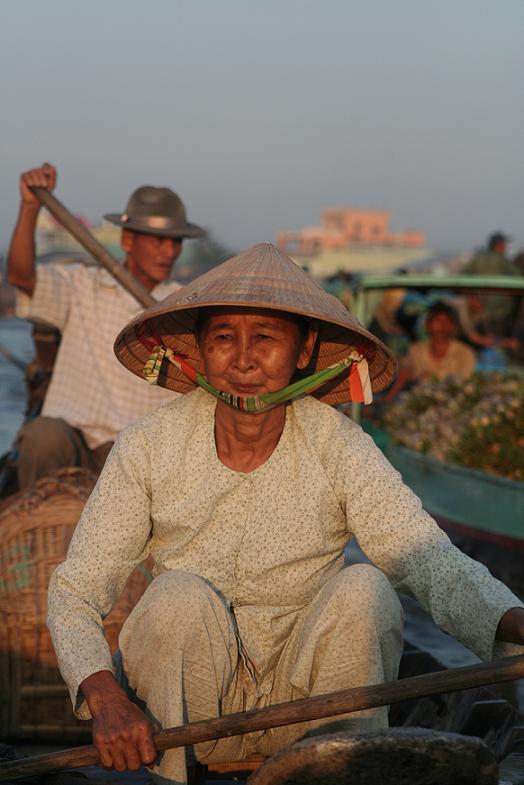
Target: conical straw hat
x=261 y=277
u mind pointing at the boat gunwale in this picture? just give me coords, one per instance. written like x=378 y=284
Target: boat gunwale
x=457 y=468
x=420 y=465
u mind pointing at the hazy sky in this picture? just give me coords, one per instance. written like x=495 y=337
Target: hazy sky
x=262 y=112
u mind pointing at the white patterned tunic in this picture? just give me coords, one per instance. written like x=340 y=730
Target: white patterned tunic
x=267 y=541
x=89 y=388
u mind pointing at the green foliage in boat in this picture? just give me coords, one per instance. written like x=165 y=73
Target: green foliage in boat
x=478 y=423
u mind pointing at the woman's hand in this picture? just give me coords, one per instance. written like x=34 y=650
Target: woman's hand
x=122 y=733
x=511 y=626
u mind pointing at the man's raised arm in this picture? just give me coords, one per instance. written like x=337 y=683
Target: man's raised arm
x=21 y=257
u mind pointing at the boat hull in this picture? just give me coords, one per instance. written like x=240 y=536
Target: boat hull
x=482 y=513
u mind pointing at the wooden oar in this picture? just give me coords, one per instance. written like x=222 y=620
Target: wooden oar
x=77 y=229
x=317 y=707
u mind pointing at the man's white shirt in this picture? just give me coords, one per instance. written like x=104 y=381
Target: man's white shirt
x=89 y=388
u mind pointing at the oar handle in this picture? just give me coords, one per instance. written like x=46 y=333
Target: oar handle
x=317 y=707
x=77 y=229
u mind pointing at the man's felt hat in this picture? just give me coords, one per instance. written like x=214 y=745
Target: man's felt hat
x=158 y=211
x=260 y=277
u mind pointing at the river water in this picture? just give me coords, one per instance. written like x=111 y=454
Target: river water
x=15 y=335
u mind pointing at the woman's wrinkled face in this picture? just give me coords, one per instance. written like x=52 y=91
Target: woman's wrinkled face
x=248 y=351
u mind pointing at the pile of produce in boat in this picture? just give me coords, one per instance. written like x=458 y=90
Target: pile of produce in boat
x=478 y=423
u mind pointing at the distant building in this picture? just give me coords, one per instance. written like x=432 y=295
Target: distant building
x=342 y=228
x=351 y=240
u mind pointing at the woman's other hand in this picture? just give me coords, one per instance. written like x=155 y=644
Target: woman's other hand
x=122 y=733
x=511 y=626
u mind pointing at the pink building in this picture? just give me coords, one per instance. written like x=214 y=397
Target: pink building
x=343 y=228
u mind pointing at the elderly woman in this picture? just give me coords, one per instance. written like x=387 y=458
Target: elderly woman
x=245 y=491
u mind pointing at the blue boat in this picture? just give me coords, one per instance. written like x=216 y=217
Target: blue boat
x=482 y=513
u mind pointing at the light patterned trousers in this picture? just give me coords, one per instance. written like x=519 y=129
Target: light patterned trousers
x=181 y=657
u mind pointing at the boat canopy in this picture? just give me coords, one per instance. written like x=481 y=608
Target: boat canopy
x=502 y=284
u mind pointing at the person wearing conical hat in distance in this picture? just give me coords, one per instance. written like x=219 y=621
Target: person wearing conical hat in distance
x=90 y=397
x=245 y=491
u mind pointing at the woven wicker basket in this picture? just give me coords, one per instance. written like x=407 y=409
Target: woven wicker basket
x=35 y=531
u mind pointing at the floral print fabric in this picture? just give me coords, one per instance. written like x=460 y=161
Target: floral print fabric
x=267 y=541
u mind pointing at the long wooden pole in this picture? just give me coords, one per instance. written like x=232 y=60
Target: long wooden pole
x=77 y=229
x=317 y=707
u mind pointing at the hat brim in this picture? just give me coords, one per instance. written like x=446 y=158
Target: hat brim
x=176 y=330
x=263 y=279
x=189 y=231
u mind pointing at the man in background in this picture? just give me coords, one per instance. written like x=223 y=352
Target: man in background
x=492 y=260
x=90 y=397
x=494 y=320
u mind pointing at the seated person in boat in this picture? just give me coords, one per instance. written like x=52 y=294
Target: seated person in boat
x=440 y=355
x=245 y=491
x=90 y=397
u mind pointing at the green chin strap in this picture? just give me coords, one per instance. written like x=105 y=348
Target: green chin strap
x=254 y=404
